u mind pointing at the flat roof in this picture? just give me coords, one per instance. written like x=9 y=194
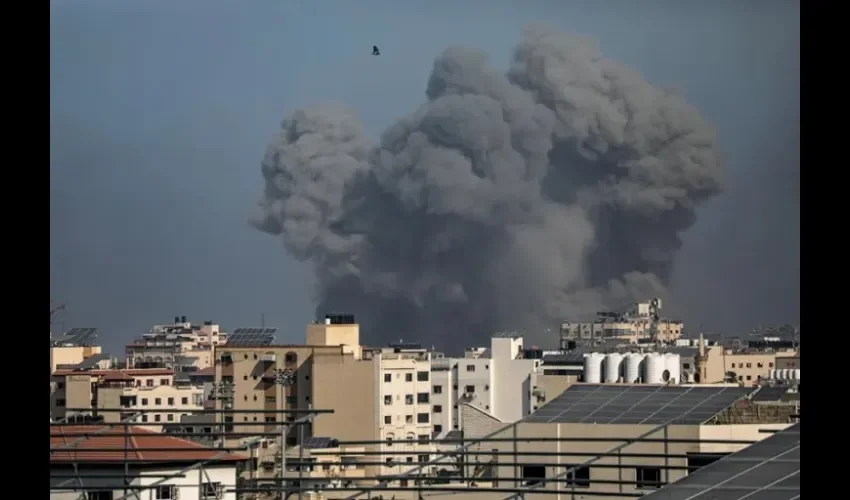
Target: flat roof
x=637 y=404
x=769 y=469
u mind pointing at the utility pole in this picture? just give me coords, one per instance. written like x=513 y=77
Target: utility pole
x=283 y=378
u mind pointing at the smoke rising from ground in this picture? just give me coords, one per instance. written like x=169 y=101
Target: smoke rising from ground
x=506 y=201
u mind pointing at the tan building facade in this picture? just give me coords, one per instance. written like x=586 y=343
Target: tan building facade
x=70 y=355
x=149 y=390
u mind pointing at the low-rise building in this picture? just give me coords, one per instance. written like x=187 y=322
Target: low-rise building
x=180 y=346
x=149 y=390
x=71 y=466
x=639 y=324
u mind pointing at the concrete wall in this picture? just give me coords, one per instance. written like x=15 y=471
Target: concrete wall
x=71 y=355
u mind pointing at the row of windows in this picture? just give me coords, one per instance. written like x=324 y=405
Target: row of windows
x=421 y=418
x=408 y=377
x=210 y=491
x=421 y=398
x=750 y=365
x=645 y=477
x=438 y=389
x=169 y=401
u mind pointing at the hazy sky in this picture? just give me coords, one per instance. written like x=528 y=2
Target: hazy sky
x=161 y=112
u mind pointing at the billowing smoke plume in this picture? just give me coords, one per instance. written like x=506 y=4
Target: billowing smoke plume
x=506 y=201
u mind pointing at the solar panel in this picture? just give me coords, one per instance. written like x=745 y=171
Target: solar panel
x=78 y=336
x=320 y=442
x=637 y=404
x=765 y=470
x=770 y=394
x=251 y=337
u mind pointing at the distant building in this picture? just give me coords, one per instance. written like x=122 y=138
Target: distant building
x=635 y=325
x=180 y=346
x=152 y=390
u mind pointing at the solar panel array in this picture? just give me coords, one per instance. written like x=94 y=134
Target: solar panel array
x=767 y=470
x=78 y=336
x=637 y=404
x=320 y=442
x=770 y=394
x=252 y=336
x=270 y=331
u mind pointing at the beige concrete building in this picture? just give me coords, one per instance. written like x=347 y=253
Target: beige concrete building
x=633 y=326
x=71 y=355
x=180 y=346
x=718 y=364
x=132 y=389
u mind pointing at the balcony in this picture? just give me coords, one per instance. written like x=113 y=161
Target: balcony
x=268 y=357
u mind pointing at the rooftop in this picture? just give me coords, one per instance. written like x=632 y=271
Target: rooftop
x=637 y=404
x=507 y=335
x=132 y=372
x=109 y=445
x=767 y=469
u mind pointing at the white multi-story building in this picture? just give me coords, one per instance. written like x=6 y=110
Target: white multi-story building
x=495 y=380
x=404 y=405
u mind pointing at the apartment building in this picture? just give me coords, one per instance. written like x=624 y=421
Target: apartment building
x=405 y=404
x=634 y=325
x=494 y=380
x=150 y=389
x=747 y=366
x=180 y=346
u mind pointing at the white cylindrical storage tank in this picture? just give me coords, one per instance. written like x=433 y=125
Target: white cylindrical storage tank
x=786 y=374
x=633 y=367
x=797 y=374
x=673 y=365
x=613 y=367
x=593 y=368
x=772 y=374
x=655 y=365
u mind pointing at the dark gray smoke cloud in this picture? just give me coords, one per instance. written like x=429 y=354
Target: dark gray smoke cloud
x=506 y=201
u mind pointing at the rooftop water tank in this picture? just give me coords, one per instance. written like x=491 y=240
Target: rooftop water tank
x=613 y=367
x=673 y=365
x=797 y=374
x=634 y=365
x=655 y=365
x=593 y=368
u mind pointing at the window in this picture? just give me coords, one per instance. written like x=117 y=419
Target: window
x=438 y=409
x=486 y=387
x=149 y=382
x=759 y=365
x=686 y=366
x=388 y=377
x=211 y=490
x=579 y=478
x=170 y=417
x=271 y=419
x=408 y=459
x=60 y=402
x=170 y=401
x=290 y=357
x=157 y=401
x=157 y=418
x=164 y=492
x=423 y=458
x=388 y=399
x=244 y=377
x=533 y=474
x=733 y=365
x=423 y=438
x=423 y=398
x=422 y=376
x=438 y=389
x=291 y=400
x=470 y=368
x=770 y=365
x=408 y=399
x=469 y=388
x=749 y=365
x=163 y=381
x=99 y=495
x=408 y=377
x=423 y=418
x=749 y=377
x=438 y=428
x=648 y=477
x=388 y=420
x=184 y=401
x=408 y=419
x=144 y=418
x=60 y=385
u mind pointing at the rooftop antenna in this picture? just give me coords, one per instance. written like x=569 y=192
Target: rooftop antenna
x=55 y=309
